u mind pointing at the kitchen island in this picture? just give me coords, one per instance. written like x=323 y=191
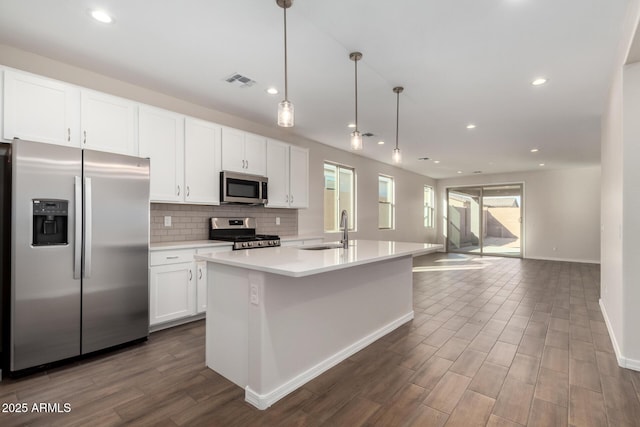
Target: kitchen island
x=279 y=317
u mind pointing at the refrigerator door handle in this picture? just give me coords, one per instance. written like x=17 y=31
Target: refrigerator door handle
x=77 y=246
x=86 y=266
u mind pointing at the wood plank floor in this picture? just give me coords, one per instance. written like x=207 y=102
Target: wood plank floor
x=495 y=342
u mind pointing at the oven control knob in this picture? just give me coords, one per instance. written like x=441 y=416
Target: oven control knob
x=259 y=243
x=244 y=245
x=250 y=244
x=272 y=242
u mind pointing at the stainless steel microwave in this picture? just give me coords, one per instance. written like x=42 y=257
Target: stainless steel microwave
x=243 y=188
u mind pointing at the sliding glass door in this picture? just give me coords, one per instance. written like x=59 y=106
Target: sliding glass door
x=464 y=220
x=485 y=220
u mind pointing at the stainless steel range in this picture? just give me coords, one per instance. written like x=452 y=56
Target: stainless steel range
x=242 y=232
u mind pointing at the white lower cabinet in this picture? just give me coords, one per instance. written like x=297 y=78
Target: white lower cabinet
x=172 y=287
x=201 y=291
x=172 y=292
x=178 y=285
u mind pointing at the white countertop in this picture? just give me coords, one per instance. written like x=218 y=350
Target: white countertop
x=295 y=262
x=188 y=244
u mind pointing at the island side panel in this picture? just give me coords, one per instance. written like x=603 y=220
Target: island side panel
x=303 y=326
x=227 y=331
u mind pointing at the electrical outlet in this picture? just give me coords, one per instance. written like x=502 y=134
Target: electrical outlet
x=167 y=221
x=253 y=295
x=277 y=220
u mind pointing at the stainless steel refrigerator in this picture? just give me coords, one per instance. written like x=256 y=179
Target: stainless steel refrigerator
x=79 y=252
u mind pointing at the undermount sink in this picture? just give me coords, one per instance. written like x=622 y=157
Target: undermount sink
x=321 y=247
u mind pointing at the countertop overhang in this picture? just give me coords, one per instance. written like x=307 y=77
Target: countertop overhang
x=293 y=261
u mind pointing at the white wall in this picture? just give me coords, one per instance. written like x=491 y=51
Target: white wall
x=561 y=210
x=631 y=213
x=611 y=295
x=409 y=186
x=620 y=270
x=409 y=198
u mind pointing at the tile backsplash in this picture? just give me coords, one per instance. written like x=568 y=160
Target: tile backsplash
x=189 y=222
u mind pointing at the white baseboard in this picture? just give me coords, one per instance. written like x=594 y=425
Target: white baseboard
x=178 y=322
x=263 y=401
x=614 y=340
x=623 y=362
x=583 y=261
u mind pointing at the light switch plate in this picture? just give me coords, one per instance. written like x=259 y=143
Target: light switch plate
x=277 y=220
x=167 y=221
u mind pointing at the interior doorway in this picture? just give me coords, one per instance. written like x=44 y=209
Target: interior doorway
x=485 y=220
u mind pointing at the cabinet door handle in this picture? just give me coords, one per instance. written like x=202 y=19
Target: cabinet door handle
x=68 y=134
x=286 y=198
x=190 y=275
x=85 y=137
x=173 y=257
x=247 y=164
x=200 y=274
x=291 y=198
x=188 y=191
x=178 y=190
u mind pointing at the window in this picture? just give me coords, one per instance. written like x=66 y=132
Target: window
x=339 y=195
x=429 y=210
x=386 y=206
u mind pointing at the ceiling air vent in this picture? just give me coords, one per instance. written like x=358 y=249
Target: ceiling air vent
x=240 y=80
x=423 y=158
x=367 y=134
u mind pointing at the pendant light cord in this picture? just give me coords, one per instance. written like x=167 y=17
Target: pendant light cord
x=356 y=61
x=397 y=117
x=286 y=78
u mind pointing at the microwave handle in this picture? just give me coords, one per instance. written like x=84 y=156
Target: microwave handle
x=264 y=192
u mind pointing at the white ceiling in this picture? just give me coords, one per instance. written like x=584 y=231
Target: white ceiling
x=460 y=62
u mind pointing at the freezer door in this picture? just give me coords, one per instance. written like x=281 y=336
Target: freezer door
x=115 y=301
x=45 y=297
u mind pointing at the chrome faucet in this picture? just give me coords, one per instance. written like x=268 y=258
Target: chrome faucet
x=344 y=224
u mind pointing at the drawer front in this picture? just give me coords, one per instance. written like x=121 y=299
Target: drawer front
x=214 y=249
x=172 y=257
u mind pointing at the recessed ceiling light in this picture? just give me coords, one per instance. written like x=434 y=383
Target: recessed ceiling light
x=272 y=91
x=459 y=171
x=539 y=81
x=541 y=164
x=101 y=16
x=351 y=125
x=436 y=161
x=534 y=150
x=380 y=142
x=471 y=126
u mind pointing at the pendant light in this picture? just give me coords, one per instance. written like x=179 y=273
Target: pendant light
x=285 y=108
x=356 y=136
x=397 y=158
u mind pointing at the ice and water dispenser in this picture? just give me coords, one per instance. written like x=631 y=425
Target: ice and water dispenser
x=50 y=222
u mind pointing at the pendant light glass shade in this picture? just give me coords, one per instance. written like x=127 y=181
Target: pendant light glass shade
x=356 y=140
x=285 y=108
x=285 y=114
x=356 y=136
x=397 y=157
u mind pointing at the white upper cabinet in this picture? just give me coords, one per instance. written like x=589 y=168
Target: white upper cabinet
x=202 y=162
x=255 y=154
x=288 y=173
x=40 y=109
x=161 y=138
x=299 y=177
x=278 y=174
x=108 y=123
x=243 y=152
